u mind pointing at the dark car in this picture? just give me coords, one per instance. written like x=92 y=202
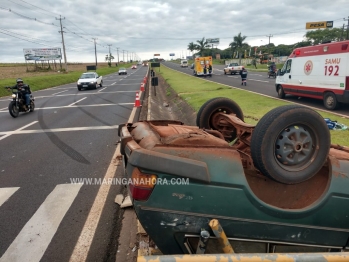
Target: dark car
x=279 y=184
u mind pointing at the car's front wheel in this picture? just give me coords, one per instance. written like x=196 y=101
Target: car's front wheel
x=101 y=84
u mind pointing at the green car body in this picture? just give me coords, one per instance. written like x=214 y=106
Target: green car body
x=201 y=177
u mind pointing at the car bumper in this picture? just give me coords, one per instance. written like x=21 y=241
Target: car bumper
x=86 y=85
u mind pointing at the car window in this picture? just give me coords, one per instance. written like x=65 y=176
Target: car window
x=84 y=76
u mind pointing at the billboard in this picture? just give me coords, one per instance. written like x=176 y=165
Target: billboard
x=172 y=54
x=42 y=54
x=212 y=41
x=156 y=54
x=316 y=25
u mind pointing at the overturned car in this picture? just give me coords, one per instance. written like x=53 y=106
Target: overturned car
x=279 y=186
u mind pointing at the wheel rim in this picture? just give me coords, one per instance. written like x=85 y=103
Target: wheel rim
x=295 y=146
x=330 y=101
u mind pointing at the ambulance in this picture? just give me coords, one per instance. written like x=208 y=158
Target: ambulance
x=320 y=72
x=200 y=63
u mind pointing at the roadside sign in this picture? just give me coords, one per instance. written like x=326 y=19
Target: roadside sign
x=156 y=54
x=172 y=54
x=212 y=41
x=321 y=24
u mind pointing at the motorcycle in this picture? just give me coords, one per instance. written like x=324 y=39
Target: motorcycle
x=272 y=73
x=18 y=104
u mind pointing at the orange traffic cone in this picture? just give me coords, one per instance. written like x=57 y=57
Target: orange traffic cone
x=142 y=87
x=137 y=102
x=144 y=79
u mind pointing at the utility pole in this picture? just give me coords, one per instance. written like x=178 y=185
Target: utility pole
x=127 y=56
x=65 y=57
x=269 y=43
x=94 y=39
x=123 y=56
x=347 y=27
x=109 y=55
x=117 y=50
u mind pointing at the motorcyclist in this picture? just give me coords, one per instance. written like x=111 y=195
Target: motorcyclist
x=272 y=68
x=25 y=91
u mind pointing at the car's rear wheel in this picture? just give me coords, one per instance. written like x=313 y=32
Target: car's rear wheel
x=209 y=114
x=330 y=101
x=290 y=144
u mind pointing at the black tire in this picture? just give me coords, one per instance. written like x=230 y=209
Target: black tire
x=225 y=72
x=13 y=110
x=79 y=88
x=290 y=144
x=207 y=114
x=32 y=106
x=95 y=87
x=281 y=93
x=330 y=101
x=101 y=84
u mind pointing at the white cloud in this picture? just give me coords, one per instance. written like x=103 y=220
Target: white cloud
x=146 y=27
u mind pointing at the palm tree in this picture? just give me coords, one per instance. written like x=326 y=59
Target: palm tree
x=192 y=47
x=238 y=43
x=202 y=45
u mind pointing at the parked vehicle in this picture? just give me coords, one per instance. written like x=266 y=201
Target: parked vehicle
x=319 y=72
x=17 y=104
x=279 y=186
x=201 y=65
x=89 y=80
x=233 y=68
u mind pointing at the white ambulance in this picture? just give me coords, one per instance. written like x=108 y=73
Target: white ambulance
x=320 y=72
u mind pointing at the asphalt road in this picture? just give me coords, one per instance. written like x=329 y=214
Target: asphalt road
x=260 y=83
x=44 y=214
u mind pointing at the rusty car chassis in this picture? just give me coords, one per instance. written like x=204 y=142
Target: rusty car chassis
x=264 y=183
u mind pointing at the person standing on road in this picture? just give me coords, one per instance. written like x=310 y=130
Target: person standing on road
x=243 y=74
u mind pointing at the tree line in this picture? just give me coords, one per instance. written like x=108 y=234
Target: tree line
x=238 y=47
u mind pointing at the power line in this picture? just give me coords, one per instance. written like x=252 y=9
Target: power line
x=39 y=8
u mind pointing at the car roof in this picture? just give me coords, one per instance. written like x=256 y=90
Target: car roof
x=122 y=68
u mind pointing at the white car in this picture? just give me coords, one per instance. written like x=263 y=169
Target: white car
x=122 y=71
x=89 y=80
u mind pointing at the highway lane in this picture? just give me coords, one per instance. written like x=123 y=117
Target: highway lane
x=260 y=83
x=71 y=135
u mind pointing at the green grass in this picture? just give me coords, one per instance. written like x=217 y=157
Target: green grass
x=47 y=81
x=197 y=91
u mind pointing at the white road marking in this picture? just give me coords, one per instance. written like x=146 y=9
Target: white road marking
x=34 y=238
x=85 y=240
x=113 y=83
x=6 y=193
x=67 y=129
x=59 y=92
x=258 y=80
x=19 y=129
x=78 y=101
x=62 y=107
x=102 y=89
x=4 y=108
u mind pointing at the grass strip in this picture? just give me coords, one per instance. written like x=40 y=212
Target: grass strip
x=196 y=91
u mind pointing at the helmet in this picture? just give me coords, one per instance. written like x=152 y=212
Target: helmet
x=19 y=80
